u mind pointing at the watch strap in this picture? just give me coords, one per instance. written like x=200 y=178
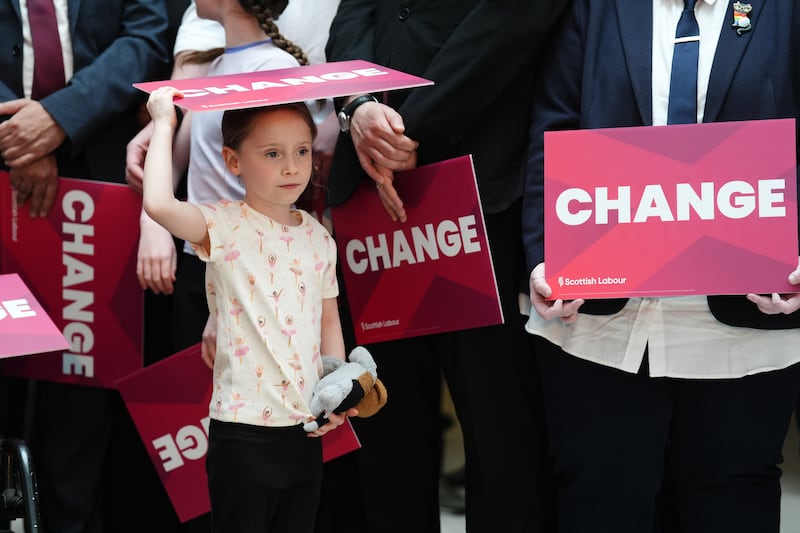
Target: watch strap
x=346 y=114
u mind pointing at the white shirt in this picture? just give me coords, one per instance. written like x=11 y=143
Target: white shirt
x=304 y=22
x=683 y=338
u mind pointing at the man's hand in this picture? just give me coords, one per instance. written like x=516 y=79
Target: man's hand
x=135 y=153
x=567 y=311
x=157 y=259
x=390 y=198
x=383 y=148
x=38 y=182
x=29 y=135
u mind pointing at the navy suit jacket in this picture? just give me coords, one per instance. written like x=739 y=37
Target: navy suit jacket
x=600 y=76
x=114 y=44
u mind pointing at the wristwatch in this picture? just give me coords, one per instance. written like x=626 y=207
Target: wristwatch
x=347 y=111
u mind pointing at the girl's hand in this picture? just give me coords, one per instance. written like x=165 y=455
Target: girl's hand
x=567 y=310
x=161 y=105
x=334 y=421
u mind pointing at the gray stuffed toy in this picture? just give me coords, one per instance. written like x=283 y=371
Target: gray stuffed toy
x=346 y=384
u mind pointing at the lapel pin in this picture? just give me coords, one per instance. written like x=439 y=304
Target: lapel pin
x=741 y=20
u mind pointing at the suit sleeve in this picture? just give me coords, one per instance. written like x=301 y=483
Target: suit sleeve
x=556 y=106
x=106 y=66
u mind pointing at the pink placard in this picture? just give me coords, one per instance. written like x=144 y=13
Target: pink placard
x=671 y=210
x=280 y=86
x=25 y=327
x=168 y=403
x=431 y=274
x=80 y=263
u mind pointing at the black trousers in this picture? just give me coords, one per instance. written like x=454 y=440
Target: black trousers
x=610 y=432
x=263 y=478
x=492 y=376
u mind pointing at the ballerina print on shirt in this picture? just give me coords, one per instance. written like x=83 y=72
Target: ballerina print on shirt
x=241 y=348
x=272 y=260
x=232 y=254
x=259 y=378
x=286 y=238
x=289 y=331
x=236 y=308
x=251 y=279
x=236 y=404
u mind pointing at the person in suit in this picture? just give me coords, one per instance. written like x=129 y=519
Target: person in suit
x=707 y=382
x=76 y=128
x=478 y=105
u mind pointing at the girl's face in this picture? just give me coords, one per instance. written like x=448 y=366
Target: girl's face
x=274 y=160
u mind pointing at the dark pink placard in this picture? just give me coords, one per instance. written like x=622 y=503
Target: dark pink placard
x=431 y=274
x=280 y=86
x=80 y=264
x=671 y=210
x=25 y=327
x=168 y=403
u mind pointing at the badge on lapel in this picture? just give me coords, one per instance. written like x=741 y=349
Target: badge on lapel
x=741 y=20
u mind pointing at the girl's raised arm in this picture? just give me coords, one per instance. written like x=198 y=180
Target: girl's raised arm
x=182 y=219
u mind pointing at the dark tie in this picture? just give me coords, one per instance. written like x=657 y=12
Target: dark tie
x=683 y=82
x=48 y=64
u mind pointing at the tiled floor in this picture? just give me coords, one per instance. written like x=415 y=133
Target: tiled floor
x=790 y=504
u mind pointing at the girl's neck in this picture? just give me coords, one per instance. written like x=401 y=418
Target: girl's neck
x=281 y=214
x=241 y=28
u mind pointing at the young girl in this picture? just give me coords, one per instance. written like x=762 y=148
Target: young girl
x=271 y=284
x=253 y=42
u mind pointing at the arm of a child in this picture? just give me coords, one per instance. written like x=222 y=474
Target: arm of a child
x=332 y=339
x=332 y=343
x=182 y=219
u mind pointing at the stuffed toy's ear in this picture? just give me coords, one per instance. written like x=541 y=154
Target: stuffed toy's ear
x=372 y=401
x=330 y=363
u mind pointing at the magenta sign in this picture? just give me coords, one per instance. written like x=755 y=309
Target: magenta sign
x=671 y=210
x=25 y=327
x=431 y=274
x=280 y=86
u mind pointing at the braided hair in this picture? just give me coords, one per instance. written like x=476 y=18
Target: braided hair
x=266 y=12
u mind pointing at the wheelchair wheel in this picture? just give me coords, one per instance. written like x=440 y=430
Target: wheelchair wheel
x=19 y=498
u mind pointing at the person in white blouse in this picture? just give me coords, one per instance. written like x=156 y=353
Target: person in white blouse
x=708 y=382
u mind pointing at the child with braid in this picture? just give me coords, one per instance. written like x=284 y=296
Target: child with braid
x=252 y=43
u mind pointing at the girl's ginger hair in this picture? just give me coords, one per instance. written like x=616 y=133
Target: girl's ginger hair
x=266 y=12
